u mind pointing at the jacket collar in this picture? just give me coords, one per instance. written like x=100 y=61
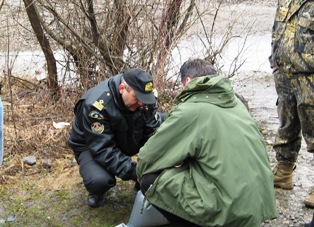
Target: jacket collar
x=216 y=90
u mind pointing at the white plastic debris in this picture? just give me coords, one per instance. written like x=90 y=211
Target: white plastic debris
x=60 y=124
x=11 y=218
x=121 y=225
x=30 y=160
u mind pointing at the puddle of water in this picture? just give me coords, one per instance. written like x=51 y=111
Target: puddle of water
x=254 y=57
x=31 y=63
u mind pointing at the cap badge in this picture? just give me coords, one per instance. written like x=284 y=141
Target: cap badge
x=149 y=87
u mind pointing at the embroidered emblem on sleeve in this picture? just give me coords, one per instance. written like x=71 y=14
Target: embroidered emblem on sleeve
x=96 y=115
x=97 y=127
x=99 y=105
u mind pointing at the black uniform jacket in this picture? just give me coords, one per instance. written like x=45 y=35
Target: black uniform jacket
x=111 y=133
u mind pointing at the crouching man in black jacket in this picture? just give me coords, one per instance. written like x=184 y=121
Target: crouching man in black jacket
x=112 y=122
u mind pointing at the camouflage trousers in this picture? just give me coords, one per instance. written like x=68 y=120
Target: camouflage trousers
x=295 y=108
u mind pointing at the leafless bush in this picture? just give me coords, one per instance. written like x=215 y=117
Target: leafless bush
x=98 y=39
x=101 y=38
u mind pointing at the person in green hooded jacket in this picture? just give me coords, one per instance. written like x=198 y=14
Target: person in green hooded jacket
x=207 y=164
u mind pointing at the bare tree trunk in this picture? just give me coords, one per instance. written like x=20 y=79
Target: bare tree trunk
x=167 y=31
x=168 y=25
x=122 y=26
x=52 y=81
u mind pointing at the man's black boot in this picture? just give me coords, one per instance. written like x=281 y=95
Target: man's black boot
x=95 y=200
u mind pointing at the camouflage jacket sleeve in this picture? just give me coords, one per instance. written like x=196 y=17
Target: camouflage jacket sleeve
x=293 y=37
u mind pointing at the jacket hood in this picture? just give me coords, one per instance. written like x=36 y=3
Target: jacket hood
x=215 y=90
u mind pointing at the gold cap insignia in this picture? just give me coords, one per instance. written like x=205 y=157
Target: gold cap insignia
x=149 y=87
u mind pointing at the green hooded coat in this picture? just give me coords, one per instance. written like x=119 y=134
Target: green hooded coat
x=212 y=158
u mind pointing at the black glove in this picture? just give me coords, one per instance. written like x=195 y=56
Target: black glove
x=133 y=174
x=137 y=184
x=148 y=112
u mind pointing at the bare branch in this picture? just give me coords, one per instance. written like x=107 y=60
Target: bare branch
x=92 y=19
x=187 y=15
x=1 y=4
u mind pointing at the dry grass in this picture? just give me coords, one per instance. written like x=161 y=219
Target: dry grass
x=28 y=128
x=28 y=124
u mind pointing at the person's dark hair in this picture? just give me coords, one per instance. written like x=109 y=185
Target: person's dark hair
x=127 y=87
x=196 y=68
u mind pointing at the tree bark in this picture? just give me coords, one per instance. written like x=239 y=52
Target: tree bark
x=52 y=80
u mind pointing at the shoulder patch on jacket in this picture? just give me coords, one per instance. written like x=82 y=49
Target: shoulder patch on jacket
x=96 y=115
x=99 y=104
x=97 y=127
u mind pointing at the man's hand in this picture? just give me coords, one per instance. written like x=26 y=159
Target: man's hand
x=148 y=111
x=133 y=175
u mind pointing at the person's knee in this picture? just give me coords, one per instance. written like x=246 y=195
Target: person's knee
x=99 y=184
x=96 y=179
x=147 y=180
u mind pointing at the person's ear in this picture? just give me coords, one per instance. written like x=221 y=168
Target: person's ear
x=187 y=80
x=121 y=88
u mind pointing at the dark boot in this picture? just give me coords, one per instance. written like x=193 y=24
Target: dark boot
x=95 y=200
x=283 y=175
